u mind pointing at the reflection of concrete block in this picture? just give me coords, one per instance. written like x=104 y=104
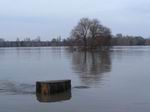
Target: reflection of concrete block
x=52 y=87
x=54 y=97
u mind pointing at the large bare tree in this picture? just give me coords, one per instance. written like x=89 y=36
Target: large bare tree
x=90 y=33
x=80 y=32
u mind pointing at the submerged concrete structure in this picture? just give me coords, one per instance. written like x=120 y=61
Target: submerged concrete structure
x=52 y=87
x=64 y=96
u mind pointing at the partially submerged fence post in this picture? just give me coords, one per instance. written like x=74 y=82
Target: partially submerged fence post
x=52 y=87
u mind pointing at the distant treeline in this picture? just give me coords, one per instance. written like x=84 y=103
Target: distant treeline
x=27 y=42
x=120 y=40
x=117 y=40
x=123 y=40
x=87 y=34
x=24 y=43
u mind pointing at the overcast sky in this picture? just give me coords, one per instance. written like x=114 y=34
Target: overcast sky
x=52 y=18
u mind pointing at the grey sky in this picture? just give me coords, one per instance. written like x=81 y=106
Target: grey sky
x=51 y=18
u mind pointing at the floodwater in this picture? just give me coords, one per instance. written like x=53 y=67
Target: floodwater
x=117 y=80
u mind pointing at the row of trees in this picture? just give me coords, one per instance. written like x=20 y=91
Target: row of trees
x=117 y=40
x=120 y=40
x=88 y=33
x=27 y=42
x=37 y=42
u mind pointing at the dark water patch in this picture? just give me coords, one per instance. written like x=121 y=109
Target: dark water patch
x=81 y=87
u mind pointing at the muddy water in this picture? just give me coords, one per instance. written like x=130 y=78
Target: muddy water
x=110 y=81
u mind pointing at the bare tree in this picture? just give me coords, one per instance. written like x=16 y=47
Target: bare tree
x=90 y=33
x=81 y=32
x=99 y=34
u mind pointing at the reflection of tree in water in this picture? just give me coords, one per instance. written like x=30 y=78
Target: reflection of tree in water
x=91 y=65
